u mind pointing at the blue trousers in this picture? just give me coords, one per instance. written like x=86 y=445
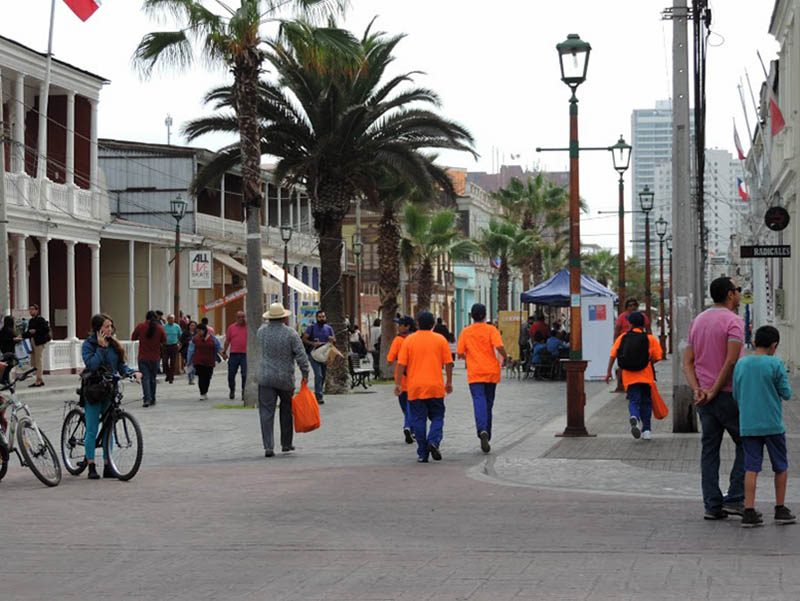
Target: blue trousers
x=640 y=403
x=236 y=361
x=482 y=404
x=403 y=400
x=717 y=417
x=421 y=411
x=320 y=370
x=149 y=370
x=92 y=413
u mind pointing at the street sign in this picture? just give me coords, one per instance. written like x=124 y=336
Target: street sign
x=776 y=218
x=201 y=275
x=773 y=251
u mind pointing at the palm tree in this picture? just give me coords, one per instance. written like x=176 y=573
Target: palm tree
x=498 y=241
x=336 y=127
x=428 y=236
x=233 y=40
x=601 y=265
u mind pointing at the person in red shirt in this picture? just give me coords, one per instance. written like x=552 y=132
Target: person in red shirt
x=422 y=358
x=623 y=324
x=405 y=326
x=236 y=341
x=539 y=325
x=151 y=336
x=478 y=344
x=203 y=356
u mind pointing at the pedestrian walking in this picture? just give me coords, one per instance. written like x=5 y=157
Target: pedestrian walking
x=101 y=350
x=281 y=348
x=204 y=321
x=375 y=346
x=422 y=358
x=759 y=384
x=8 y=335
x=479 y=345
x=635 y=352
x=236 y=341
x=38 y=331
x=716 y=341
x=172 y=332
x=151 y=336
x=404 y=327
x=186 y=341
x=316 y=335
x=442 y=329
x=203 y=356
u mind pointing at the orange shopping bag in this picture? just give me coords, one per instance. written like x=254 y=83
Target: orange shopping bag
x=305 y=410
x=660 y=409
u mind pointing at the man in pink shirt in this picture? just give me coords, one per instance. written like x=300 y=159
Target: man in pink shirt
x=716 y=341
x=236 y=341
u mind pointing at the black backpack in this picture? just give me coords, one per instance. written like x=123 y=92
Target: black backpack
x=634 y=351
x=96 y=385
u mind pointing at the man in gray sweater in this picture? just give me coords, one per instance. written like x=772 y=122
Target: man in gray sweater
x=280 y=347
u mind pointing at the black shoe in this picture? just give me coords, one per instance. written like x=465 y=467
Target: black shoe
x=287 y=449
x=153 y=402
x=320 y=401
x=734 y=508
x=715 y=514
x=93 y=475
x=422 y=460
x=434 y=451
x=751 y=518
x=409 y=437
x=145 y=404
x=485 y=446
x=107 y=472
x=231 y=394
x=635 y=432
x=269 y=453
x=783 y=515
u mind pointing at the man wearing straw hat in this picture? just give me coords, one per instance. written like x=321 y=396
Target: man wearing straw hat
x=281 y=348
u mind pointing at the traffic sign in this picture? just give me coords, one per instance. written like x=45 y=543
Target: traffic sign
x=770 y=251
x=776 y=218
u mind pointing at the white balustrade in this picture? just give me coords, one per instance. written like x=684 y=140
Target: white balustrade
x=223 y=229
x=83 y=203
x=59 y=198
x=66 y=354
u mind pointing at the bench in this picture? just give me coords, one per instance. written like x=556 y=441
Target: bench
x=359 y=376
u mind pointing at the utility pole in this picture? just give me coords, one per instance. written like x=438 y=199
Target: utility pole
x=5 y=299
x=684 y=218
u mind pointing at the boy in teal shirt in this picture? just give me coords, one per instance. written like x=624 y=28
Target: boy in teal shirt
x=759 y=384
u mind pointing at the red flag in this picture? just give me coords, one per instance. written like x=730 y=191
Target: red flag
x=775 y=116
x=83 y=8
x=743 y=194
x=738 y=143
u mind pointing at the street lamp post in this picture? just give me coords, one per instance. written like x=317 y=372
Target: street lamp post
x=621 y=156
x=669 y=249
x=286 y=236
x=573 y=55
x=646 y=205
x=357 y=249
x=661 y=230
x=178 y=210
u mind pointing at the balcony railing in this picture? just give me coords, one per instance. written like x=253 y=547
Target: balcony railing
x=25 y=191
x=302 y=243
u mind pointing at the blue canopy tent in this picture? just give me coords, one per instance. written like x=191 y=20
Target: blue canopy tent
x=555 y=291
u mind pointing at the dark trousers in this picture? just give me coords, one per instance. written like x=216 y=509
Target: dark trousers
x=267 y=399
x=170 y=361
x=482 y=405
x=148 y=369
x=236 y=362
x=421 y=411
x=320 y=370
x=403 y=400
x=204 y=373
x=640 y=404
x=717 y=417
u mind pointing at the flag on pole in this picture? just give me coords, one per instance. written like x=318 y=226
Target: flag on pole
x=83 y=8
x=742 y=189
x=775 y=116
x=738 y=142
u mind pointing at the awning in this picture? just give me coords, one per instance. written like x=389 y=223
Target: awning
x=305 y=291
x=270 y=287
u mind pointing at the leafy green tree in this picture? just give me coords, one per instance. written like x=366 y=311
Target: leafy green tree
x=601 y=265
x=498 y=242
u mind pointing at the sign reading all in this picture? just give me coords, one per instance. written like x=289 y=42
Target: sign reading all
x=775 y=251
x=201 y=273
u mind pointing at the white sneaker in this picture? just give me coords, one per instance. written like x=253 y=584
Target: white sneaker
x=646 y=435
x=203 y=397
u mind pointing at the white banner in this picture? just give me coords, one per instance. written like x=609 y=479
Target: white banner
x=201 y=273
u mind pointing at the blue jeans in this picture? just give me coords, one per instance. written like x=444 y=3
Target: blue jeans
x=403 y=400
x=149 y=370
x=320 y=370
x=640 y=404
x=717 y=417
x=92 y=413
x=482 y=404
x=421 y=411
x=236 y=361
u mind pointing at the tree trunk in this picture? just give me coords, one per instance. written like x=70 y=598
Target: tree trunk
x=332 y=298
x=425 y=286
x=537 y=267
x=502 y=286
x=246 y=73
x=389 y=281
x=526 y=277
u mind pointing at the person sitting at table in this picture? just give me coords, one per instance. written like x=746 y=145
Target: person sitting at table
x=555 y=345
x=538 y=346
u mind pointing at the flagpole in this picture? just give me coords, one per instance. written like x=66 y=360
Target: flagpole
x=41 y=169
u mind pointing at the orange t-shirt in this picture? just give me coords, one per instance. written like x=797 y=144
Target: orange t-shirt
x=645 y=376
x=424 y=354
x=478 y=342
x=393 y=354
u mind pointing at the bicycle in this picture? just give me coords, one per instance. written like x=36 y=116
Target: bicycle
x=33 y=448
x=119 y=435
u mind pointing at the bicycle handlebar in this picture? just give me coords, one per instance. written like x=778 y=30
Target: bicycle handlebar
x=18 y=378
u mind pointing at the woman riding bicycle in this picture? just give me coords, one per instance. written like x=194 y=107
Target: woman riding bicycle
x=101 y=349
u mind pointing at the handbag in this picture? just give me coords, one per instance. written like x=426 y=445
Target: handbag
x=320 y=354
x=305 y=410
x=96 y=385
x=660 y=409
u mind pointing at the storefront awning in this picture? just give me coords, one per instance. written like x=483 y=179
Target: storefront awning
x=305 y=291
x=270 y=287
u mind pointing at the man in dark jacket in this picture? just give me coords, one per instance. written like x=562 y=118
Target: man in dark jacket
x=39 y=333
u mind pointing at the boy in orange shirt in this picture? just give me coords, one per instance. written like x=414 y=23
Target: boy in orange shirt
x=477 y=345
x=422 y=357
x=635 y=352
x=405 y=326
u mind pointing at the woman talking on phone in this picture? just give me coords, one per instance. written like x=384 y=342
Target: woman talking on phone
x=101 y=350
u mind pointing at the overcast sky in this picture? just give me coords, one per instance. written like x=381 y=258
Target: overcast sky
x=493 y=63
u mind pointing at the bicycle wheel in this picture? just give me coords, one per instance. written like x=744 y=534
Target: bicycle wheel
x=38 y=453
x=73 y=433
x=3 y=458
x=123 y=445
